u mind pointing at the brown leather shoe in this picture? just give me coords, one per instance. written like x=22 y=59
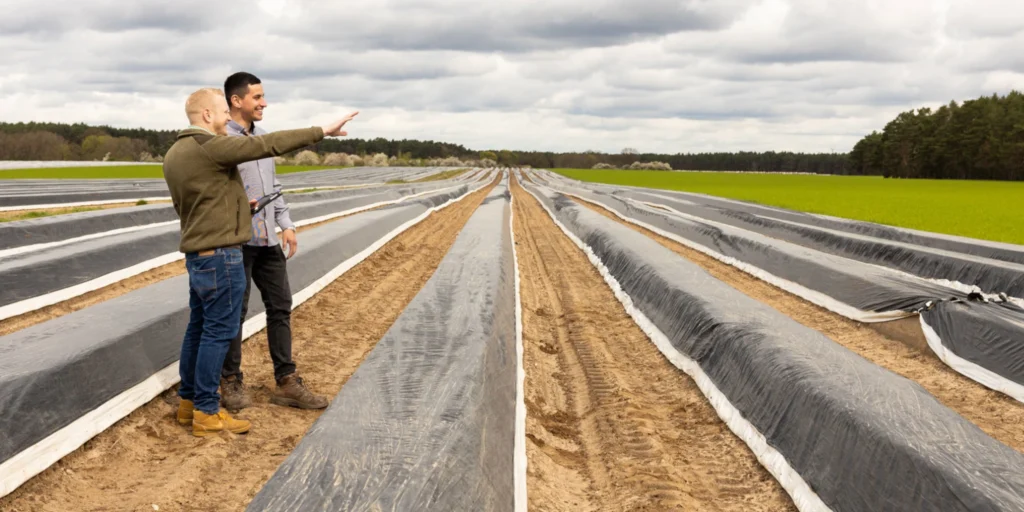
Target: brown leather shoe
x=233 y=395
x=186 y=411
x=291 y=392
x=205 y=424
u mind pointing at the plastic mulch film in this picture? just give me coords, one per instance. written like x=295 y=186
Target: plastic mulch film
x=59 y=266
x=838 y=432
x=426 y=421
x=61 y=227
x=73 y=364
x=991 y=266
x=28 y=193
x=76 y=226
x=978 y=336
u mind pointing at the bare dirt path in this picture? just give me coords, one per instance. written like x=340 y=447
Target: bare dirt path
x=147 y=459
x=997 y=414
x=611 y=424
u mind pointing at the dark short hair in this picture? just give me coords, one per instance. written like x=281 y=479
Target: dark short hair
x=238 y=85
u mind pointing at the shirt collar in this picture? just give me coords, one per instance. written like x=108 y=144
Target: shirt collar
x=234 y=127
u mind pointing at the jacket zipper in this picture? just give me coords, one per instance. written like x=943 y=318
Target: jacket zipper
x=238 y=215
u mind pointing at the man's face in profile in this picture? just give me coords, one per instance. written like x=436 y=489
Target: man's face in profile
x=252 y=105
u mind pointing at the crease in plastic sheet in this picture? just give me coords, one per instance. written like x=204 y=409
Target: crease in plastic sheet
x=64 y=271
x=424 y=422
x=859 y=436
x=984 y=332
x=143 y=343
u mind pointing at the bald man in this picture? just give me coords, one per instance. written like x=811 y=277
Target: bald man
x=208 y=195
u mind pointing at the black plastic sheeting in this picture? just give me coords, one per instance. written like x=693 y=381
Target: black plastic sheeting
x=862 y=437
x=31 y=274
x=993 y=267
x=987 y=334
x=26 y=193
x=59 y=370
x=991 y=275
x=426 y=421
x=63 y=227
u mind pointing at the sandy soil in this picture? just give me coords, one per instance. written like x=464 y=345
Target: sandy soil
x=147 y=459
x=611 y=424
x=443 y=175
x=899 y=347
x=19 y=214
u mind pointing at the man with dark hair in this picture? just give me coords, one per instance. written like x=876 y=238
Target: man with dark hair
x=265 y=261
x=208 y=196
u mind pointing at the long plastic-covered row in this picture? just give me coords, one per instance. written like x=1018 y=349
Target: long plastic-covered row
x=838 y=432
x=978 y=337
x=426 y=422
x=54 y=372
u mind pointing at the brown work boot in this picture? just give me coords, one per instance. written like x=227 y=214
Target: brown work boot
x=233 y=395
x=291 y=392
x=185 y=412
x=205 y=424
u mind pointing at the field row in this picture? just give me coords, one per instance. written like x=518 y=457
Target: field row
x=529 y=341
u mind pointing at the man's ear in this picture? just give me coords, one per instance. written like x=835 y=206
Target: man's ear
x=208 y=116
x=232 y=101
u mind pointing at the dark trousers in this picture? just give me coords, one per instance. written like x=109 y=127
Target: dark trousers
x=267 y=268
x=215 y=290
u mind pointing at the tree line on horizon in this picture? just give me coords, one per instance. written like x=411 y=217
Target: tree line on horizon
x=978 y=139
x=79 y=141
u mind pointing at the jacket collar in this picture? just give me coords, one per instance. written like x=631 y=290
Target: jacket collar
x=193 y=130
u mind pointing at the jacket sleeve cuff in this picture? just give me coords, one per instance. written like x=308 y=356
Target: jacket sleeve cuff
x=286 y=223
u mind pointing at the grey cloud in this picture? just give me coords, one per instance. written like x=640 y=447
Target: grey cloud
x=969 y=19
x=512 y=27
x=42 y=18
x=806 y=73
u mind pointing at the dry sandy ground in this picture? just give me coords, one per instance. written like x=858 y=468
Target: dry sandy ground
x=147 y=459
x=611 y=424
x=997 y=414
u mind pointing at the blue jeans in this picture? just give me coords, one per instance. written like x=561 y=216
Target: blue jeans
x=216 y=286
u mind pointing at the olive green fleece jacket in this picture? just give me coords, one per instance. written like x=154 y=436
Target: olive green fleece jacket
x=206 y=188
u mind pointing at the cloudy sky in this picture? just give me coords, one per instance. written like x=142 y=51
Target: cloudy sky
x=657 y=75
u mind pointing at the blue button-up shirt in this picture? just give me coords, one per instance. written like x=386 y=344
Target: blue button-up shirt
x=260 y=178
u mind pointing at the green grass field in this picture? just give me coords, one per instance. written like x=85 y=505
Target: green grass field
x=988 y=210
x=118 y=172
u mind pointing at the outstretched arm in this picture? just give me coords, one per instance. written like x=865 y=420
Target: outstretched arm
x=231 y=151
